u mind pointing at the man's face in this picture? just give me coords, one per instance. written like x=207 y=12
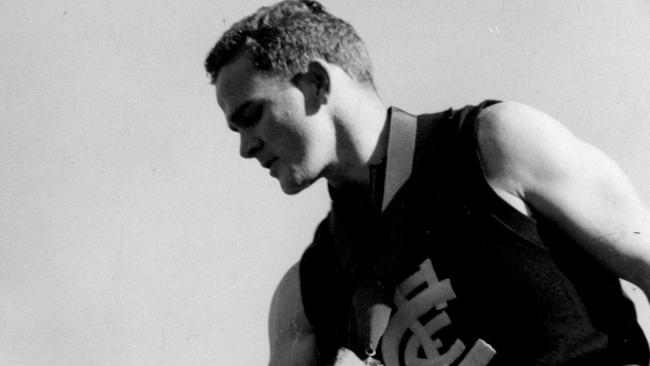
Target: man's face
x=270 y=114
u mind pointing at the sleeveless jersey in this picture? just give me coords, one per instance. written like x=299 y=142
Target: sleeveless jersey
x=478 y=283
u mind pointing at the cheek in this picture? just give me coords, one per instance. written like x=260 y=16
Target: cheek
x=289 y=140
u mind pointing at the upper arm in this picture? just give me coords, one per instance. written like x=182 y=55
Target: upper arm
x=291 y=336
x=533 y=157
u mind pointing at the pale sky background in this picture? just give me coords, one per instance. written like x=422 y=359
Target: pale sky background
x=131 y=233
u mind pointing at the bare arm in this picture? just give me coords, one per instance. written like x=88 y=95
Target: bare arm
x=532 y=159
x=291 y=336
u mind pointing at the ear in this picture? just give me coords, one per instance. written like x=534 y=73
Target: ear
x=315 y=84
x=318 y=73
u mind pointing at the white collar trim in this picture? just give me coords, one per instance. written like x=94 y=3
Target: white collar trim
x=400 y=153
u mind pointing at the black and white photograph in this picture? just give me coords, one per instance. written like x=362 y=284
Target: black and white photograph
x=325 y=183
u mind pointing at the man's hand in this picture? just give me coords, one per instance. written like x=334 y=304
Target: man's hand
x=345 y=357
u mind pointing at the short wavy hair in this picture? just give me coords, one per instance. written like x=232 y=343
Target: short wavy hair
x=284 y=37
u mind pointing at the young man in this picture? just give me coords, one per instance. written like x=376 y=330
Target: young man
x=485 y=235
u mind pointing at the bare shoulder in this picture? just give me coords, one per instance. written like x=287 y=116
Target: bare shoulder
x=511 y=126
x=286 y=306
x=520 y=145
x=534 y=158
x=290 y=334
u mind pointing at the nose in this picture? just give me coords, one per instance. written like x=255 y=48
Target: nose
x=248 y=145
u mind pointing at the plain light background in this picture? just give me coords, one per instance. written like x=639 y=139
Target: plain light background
x=131 y=233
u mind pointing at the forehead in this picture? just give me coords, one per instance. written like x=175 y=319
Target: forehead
x=239 y=81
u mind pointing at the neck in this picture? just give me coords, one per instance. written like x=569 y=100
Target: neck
x=361 y=138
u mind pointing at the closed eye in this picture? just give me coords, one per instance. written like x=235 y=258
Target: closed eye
x=247 y=115
x=252 y=116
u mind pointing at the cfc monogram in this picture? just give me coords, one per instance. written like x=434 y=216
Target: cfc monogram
x=436 y=294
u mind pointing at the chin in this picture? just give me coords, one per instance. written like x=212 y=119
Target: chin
x=291 y=188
